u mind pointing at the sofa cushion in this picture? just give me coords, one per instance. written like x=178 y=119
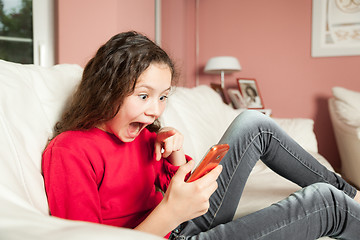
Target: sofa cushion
x=31 y=98
x=347 y=106
x=301 y=130
x=350 y=97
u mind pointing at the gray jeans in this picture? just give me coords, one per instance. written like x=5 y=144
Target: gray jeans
x=324 y=207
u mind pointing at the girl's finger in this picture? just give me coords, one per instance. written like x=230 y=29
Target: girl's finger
x=158 y=146
x=178 y=142
x=168 y=147
x=162 y=136
x=184 y=170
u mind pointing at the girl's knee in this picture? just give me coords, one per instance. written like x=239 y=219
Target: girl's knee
x=323 y=187
x=327 y=191
x=247 y=125
x=250 y=116
x=251 y=119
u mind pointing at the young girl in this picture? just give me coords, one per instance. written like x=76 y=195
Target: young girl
x=109 y=156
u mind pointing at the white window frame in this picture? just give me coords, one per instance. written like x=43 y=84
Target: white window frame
x=43 y=32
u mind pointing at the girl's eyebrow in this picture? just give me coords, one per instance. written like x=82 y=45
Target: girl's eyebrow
x=151 y=88
x=168 y=89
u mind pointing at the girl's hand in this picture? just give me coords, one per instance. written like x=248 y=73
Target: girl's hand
x=182 y=201
x=171 y=142
x=189 y=200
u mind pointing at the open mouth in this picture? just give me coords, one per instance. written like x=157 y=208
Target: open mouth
x=135 y=128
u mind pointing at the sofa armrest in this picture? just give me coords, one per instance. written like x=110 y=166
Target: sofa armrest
x=348 y=144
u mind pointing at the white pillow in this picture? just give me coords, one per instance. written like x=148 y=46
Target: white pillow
x=31 y=99
x=348 y=96
x=347 y=105
x=301 y=130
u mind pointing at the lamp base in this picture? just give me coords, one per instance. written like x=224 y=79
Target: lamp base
x=222 y=80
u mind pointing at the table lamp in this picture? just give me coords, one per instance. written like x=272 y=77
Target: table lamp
x=222 y=65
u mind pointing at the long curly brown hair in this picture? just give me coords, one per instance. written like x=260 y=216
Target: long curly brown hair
x=108 y=78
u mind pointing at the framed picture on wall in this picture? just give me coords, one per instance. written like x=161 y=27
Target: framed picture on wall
x=250 y=93
x=335 y=28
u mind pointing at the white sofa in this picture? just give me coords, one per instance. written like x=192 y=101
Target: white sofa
x=344 y=108
x=31 y=99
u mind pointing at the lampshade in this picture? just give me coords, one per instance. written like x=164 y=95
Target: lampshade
x=225 y=64
x=222 y=65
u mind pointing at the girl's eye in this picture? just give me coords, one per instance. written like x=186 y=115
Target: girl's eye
x=163 y=98
x=143 y=96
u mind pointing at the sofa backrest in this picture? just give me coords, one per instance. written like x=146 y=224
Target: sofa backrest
x=31 y=98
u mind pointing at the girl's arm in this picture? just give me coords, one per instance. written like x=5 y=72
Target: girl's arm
x=182 y=201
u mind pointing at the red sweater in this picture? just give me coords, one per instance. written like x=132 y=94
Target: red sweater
x=93 y=176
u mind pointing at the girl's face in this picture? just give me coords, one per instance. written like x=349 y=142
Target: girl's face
x=144 y=105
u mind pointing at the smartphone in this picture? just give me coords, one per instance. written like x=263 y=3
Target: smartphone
x=211 y=159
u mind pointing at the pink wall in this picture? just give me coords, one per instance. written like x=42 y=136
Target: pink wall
x=83 y=25
x=178 y=37
x=272 y=40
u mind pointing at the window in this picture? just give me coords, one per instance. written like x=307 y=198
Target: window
x=27 y=31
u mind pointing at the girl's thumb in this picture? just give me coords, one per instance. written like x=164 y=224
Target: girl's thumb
x=185 y=169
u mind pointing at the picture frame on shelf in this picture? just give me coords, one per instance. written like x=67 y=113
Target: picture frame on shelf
x=250 y=93
x=236 y=99
x=217 y=88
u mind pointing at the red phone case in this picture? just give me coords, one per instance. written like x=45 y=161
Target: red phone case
x=210 y=161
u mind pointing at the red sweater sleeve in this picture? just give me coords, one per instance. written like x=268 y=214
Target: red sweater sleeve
x=70 y=176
